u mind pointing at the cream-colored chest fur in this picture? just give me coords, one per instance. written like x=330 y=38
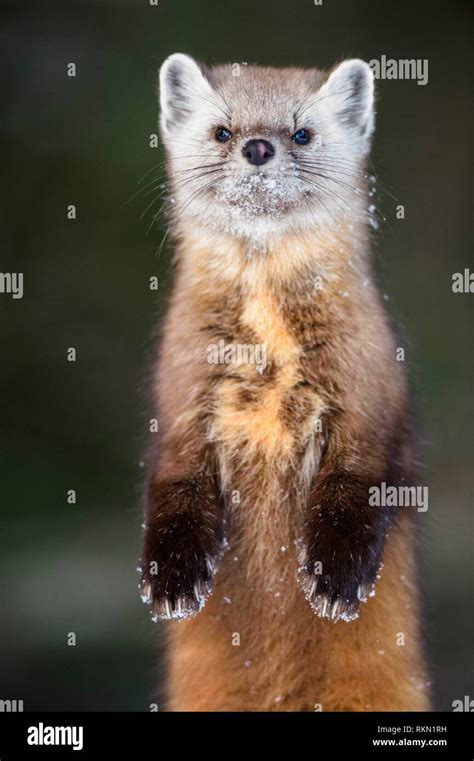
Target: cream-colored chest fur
x=254 y=431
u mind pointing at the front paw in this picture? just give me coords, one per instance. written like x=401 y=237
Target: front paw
x=341 y=555
x=183 y=544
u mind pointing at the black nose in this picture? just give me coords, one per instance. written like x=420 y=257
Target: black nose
x=258 y=152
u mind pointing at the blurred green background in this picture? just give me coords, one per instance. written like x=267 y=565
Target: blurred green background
x=85 y=140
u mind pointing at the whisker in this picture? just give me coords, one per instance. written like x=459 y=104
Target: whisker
x=334 y=168
x=181 y=185
x=157 y=179
x=180 y=208
x=319 y=187
x=331 y=179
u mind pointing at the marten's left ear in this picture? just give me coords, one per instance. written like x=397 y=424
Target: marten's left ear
x=349 y=93
x=183 y=89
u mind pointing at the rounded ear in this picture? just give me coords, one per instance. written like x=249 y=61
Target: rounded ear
x=350 y=96
x=182 y=87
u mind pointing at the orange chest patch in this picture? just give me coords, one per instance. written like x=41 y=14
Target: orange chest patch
x=261 y=412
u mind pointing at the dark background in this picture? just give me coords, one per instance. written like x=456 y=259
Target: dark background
x=71 y=568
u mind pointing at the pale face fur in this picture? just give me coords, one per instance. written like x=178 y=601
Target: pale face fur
x=316 y=186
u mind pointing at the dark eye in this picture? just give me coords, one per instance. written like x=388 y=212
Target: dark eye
x=223 y=134
x=301 y=137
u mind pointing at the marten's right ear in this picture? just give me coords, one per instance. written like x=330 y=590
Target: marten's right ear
x=183 y=88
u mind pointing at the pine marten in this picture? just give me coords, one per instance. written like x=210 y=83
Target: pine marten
x=281 y=404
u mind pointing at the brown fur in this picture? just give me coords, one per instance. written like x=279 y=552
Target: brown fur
x=292 y=654
x=279 y=460
x=340 y=362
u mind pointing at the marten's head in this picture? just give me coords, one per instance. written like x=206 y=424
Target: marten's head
x=256 y=151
